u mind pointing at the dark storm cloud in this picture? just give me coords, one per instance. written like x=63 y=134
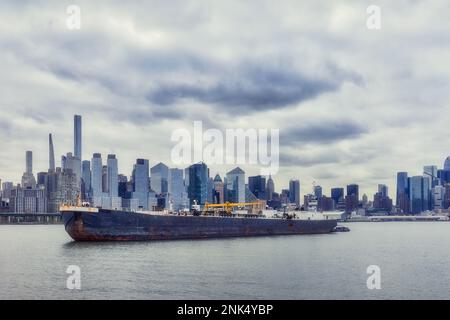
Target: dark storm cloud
x=326 y=132
x=249 y=88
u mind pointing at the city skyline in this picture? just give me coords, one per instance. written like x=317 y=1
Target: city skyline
x=349 y=102
x=77 y=137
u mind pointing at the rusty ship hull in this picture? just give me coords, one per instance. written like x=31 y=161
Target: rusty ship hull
x=116 y=225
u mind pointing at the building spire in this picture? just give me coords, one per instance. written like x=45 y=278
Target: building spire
x=51 y=153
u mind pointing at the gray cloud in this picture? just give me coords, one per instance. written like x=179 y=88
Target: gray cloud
x=249 y=88
x=307 y=160
x=322 y=133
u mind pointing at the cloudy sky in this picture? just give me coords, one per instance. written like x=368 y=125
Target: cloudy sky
x=353 y=105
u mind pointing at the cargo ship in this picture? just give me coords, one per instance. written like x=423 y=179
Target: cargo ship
x=97 y=224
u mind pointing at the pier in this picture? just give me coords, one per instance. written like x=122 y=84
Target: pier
x=30 y=218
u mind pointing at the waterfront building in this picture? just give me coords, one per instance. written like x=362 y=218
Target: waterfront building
x=28 y=200
x=402 y=188
x=325 y=203
x=198 y=183
x=430 y=172
x=141 y=182
x=294 y=192
x=417 y=189
x=159 y=178
x=257 y=185
x=381 y=201
x=438 y=197
x=7 y=186
x=236 y=185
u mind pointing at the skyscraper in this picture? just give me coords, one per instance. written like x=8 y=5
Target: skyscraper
x=77 y=136
x=177 y=190
x=337 y=194
x=270 y=188
x=430 y=172
x=352 y=198
x=447 y=164
x=28 y=180
x=416 y=193
x=383 y=190
x=51 y=154
x=113 y=176
x=294 y=192
x=159 y=175
x=29 y=162
x=96 y=179
x=353 y=189
x=257 y=186
x=236 y=185
x=318 y=192
x=140 y=182
x=74 y=163
x=86 y=179
x=402 y=185
x=198 y=183
x=219 y=190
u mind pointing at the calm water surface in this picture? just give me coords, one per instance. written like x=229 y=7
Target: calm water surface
x=414 y=258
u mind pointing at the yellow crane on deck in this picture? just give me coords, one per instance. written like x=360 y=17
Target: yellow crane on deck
x=257 y=206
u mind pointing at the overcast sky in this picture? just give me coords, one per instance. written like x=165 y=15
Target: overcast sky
x=353 y=105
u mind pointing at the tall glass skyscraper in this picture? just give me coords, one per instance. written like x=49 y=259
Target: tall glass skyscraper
x=77 y=136
x=198 y=183
x=96 y=177
x=402 y=185
x=86 y=179
x=112 y=175
x=29 y=162
x=236 y=185
x=294 y=192
x=177 y=190
x=337 y=194
x=159 y=176
x=257 y=186
x=353 y=190
x=318 y=192
x=416 y=194
x=430 y=172
x=141 y=182
x=51 y=154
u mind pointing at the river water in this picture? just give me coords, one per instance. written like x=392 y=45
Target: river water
x=413 y=259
